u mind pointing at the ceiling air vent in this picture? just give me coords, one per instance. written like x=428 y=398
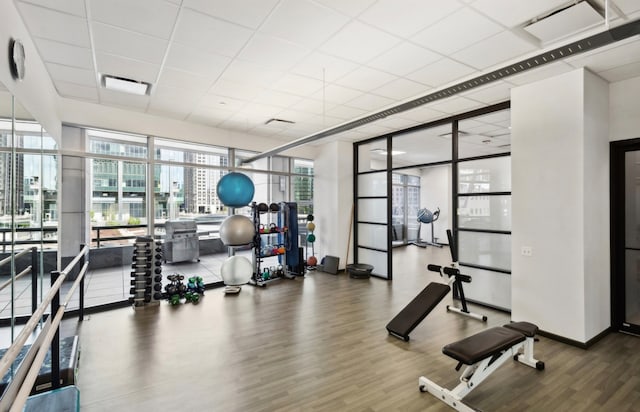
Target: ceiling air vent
x=276 y=120
x=123 y=84
x=565 y=22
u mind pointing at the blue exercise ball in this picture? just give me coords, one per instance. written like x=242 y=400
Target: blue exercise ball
x=235 y=190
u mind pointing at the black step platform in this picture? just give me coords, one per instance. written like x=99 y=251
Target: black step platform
x=69 y=358
x=412 y=314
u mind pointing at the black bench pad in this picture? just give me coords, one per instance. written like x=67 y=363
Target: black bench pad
x=528 y=329
x=483 y=345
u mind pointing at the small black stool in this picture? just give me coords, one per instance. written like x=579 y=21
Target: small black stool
x=359 y=270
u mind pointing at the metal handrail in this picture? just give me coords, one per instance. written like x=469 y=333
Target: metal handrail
x=18 y=276
x=51 y=297
x=16 y=256
x=50 y=332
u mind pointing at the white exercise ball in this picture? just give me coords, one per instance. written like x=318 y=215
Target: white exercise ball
x=236 y=270
x=237 y=230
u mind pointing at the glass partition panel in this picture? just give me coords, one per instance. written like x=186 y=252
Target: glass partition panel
x=488 y=287
x=485 y=175
x=372 y=156
x=490 y=250
x=372 y=184
x=372 y=210
x=376 y=259
x=374 y=236
x=422 y=146
x=485 y=135
x=484 y=212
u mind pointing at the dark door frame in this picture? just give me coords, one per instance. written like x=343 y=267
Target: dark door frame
x=617 y=152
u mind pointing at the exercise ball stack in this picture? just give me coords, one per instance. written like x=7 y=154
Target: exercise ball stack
x=312 y=261
x=236 y=190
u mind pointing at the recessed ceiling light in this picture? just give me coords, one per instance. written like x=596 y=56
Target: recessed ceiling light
x=125 y=85
x=384 y=152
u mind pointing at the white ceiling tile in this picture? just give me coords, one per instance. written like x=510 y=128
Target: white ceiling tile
x=303 y=22
x=373 y=129
x=297 y=116
x=323 y=67
x=213 y=102
x=396 y=123
x=401 y=89
x=351 y=8
x=297 y=85
x=370 y=102
x=168 y=109
x=210 y=34
x=187 y=58
x=240 y=91
x=403 y=59
x=127 y=68
x=619 y=73
x=184 y=80
x=493 y=50
x=421 y=114
x=324 y=121
x=273 y=52
x=628 y=6
x=518 y=11
x=165 y=93
x=407 y=17
x=336 y=94
x=346 y=112
x=109 y=39
x=126 y=100
x=457 y=31
x=546 y=71
x=312 y=106
x=72 y=90
x=455 y=105
x=359 y=42
x=275 y=98
x=152 y=17
x=240 y=71
x=66 y=54
x=55 y=25
x=249 y=13
x=493 y=93
x=70 y=74
x=608 y=58
x=365 y=79
x=257 y=110
x=441 y=72
x=209 y=118
x=75 y=7
x=352 y=135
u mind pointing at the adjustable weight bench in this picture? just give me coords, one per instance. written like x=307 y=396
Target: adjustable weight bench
x=483 y=353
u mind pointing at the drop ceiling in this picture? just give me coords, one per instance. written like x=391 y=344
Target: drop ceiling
x=315 y=64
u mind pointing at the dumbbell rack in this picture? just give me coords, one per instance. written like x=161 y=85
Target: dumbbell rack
x=146 y=273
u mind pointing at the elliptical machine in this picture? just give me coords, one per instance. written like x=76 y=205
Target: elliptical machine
x=427 y=217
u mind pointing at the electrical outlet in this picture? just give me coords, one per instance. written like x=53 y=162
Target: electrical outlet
x=526 y=251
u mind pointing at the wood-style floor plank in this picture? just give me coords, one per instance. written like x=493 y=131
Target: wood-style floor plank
x=320 y=344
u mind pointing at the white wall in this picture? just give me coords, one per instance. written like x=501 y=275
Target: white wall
x=333 y=197
x=435 y=191
x=558 y=203
x=624 y=110
x=35 y=92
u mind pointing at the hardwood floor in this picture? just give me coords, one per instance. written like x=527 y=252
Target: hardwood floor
x=320 y=344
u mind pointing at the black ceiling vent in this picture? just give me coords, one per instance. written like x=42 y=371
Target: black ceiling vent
x=276 y=120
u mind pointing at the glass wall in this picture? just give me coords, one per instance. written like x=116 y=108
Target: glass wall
x=457 y=168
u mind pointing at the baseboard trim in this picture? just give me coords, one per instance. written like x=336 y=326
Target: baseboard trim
x=577 y=344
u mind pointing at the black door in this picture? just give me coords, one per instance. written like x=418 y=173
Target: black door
x=625 y=235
